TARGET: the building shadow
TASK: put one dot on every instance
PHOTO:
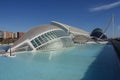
(105, 66)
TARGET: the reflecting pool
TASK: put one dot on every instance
(83, 62)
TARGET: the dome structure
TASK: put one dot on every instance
(98, 33)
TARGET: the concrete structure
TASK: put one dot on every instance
(20, 34)
(71, 30)
(116, 45)
(48, 37)
(1, 34)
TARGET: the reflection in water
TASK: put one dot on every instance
(84, 62)
(51, 55)
(104, 67)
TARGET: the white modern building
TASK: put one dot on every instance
(48, 37)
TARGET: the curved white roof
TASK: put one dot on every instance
(54, 25)
(34, 32)
(71, 29)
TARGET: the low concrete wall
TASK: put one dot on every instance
(116, 45)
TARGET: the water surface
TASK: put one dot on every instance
(84, 62)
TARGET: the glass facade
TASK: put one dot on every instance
(61, 42)
(57, 44)
(24, 47)
(33, 43)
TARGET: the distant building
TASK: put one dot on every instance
(1, 34)
(7, 34)
(15, 35)
(20, 34)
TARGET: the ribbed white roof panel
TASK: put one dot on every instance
(34, 32)
(70, 28)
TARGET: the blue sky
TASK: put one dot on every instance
(22, 15)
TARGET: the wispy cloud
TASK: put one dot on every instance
(105, 7)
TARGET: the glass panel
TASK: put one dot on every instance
(37, 41)
(24, 47)
(33, 43)
(54, 34)
(48, 37)
(48, 34)
(40, 39)
(51, 35)
(43, 38)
